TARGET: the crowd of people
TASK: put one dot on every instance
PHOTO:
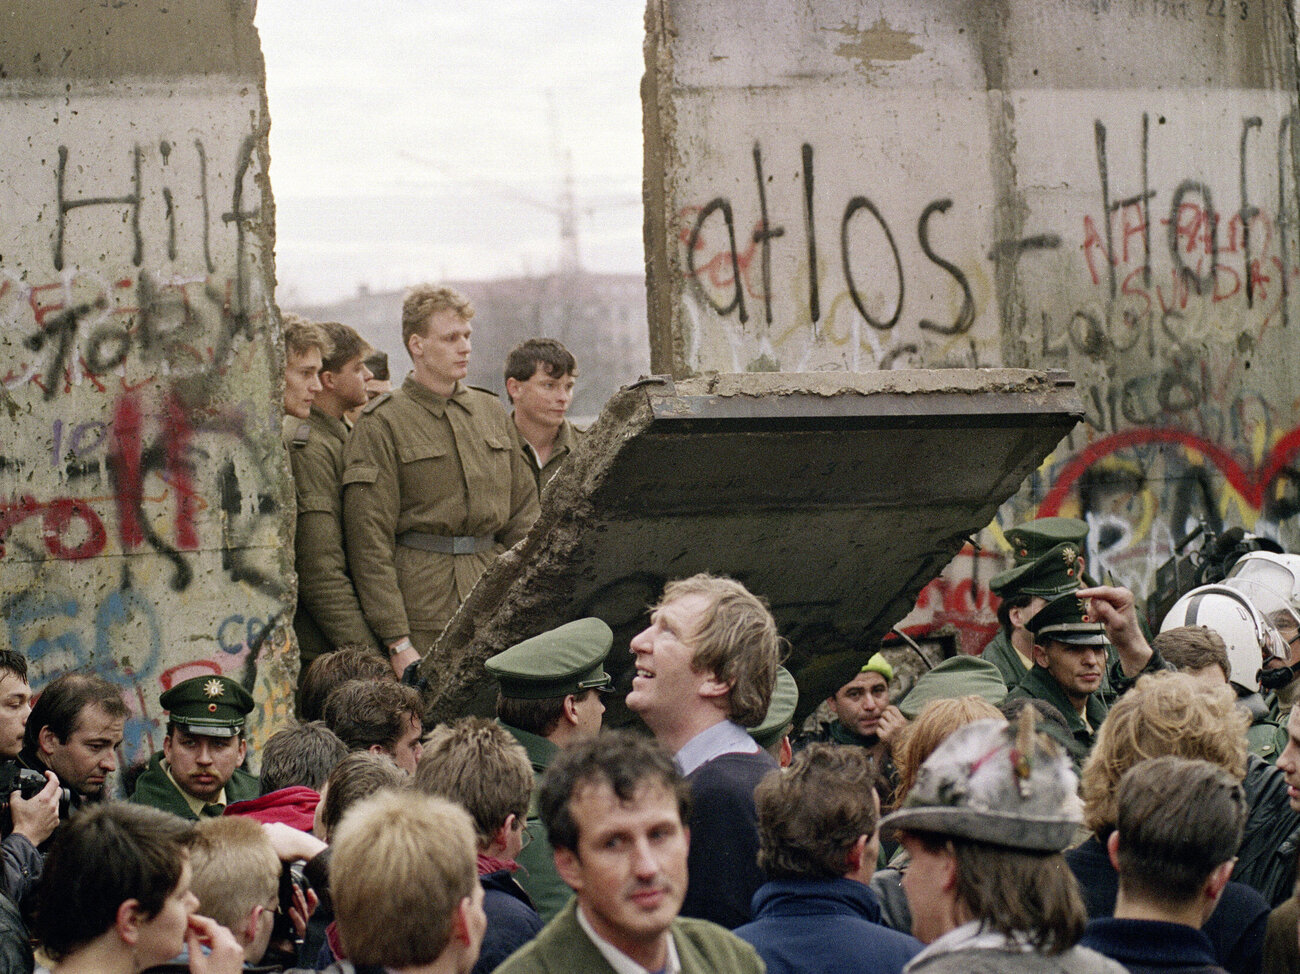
(1085, 796)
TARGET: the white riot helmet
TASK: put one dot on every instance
(1251, 639)
(1272, 584)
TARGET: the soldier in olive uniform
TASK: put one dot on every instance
(329, 614)
(1040, 571)
(197, 772)
(434, 484)
(540, 375)
(550, 698)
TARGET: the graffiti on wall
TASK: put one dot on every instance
(1160, 269)
(141, 477)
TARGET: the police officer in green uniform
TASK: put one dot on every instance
(773, 734)
(197, 774)
(540, 375)
(1040, 571)
(550, 698)
(434, 484)
(329, 615)
(1072, 634)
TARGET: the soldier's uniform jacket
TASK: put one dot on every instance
(417, 462)
(329, 613)
(566, 441)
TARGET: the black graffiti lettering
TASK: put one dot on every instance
(170, 208)
(814, 297)
(765, 233)
(1087, 334)
(1201, 283)
(1103, 172)
(203, 194)
(164, 317)
(234, 535)
(966, 316)
(238, 319)
(66, 206)
(862, 203)
(108, 347)
(720, 204)
(1247, 212)
(894, 354)
(63, 327)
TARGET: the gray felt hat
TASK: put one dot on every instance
(996, 783)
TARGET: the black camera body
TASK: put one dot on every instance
(28, 783)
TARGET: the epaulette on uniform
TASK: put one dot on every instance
(490, 392)
(375, 403)
(302, 434)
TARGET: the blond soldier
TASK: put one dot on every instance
(434, 483)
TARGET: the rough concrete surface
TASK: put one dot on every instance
(1099, 186)
(142, 482)
(834, 496)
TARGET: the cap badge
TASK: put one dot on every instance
(213, 688)
(1069, 554)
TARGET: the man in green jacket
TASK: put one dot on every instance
(197, 774)
(1071, 638)
(328, 616)
(540, 375)
(1047, 561)
(434, 484)
(615, 808)
(550, 698)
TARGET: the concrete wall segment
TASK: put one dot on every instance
(1104, 186)
(143, 487)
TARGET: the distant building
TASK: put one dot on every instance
(601, 318)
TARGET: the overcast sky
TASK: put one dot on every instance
(407, 135)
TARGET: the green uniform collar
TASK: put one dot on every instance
(541, 752)
(433, 402)
(1040, 684)
(323, 421)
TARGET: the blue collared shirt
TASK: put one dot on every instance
(725, 737)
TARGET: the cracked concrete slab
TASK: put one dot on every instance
(835, 496)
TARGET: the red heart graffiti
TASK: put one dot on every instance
(1251, 485)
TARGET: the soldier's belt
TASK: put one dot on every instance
(442, 544)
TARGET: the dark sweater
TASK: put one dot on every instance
(1235, 928)
(797, 920)
(1152, 947)
(722, 867)
(511, 920)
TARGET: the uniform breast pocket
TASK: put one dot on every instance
(498, 458)
(422, 466)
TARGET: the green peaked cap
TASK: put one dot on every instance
(1065, 620)
(780, 712)
(213, 705)
(1057, 571)
(566, 660)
